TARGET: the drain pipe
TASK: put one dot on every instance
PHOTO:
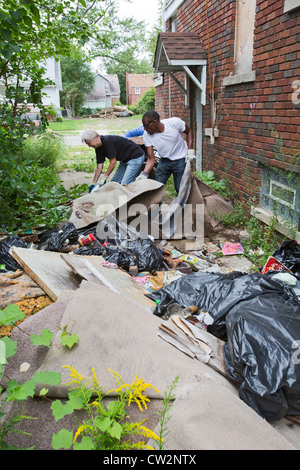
(210, 80)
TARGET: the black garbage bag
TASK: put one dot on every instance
(289, 255)
(217, 293)
(262, 354)
(5, 258)
(126, 246)
(141, 253)
(52, 240)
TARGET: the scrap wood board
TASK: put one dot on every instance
(91, 268)
(47, 269)
(55, 273)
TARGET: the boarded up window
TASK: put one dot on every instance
(244, 36)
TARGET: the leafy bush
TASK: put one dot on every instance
(147, 102)
(135, 109)
(33, 197)
(42, 149)
(220, 186)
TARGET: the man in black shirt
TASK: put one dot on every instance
(117, 149)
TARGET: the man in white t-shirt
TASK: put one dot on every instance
(166, 136)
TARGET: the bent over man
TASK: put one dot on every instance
(117, 149)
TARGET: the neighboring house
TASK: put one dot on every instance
(136, 86)
(53, 72)
(106, 92)
(231, 70)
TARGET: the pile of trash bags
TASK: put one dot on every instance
(258, 318)
(137, 251)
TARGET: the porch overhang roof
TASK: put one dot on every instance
(177, 52)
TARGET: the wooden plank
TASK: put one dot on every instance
(56, 273)
(91, 268)
(47, 269)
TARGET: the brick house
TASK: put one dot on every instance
(136, 86)
(231, 70)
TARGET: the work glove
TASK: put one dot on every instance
(93, 187)
(191, 154)
(142, 176)
(102, 180)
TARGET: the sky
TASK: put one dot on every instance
(146, 10)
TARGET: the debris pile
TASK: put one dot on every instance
(111, 113)
(245, 326)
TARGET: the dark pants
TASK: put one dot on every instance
(166, 168)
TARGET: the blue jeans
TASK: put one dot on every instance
(127, 172)
(166, 168)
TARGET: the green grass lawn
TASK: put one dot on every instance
(109, 126)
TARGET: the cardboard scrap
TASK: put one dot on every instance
(193, 341)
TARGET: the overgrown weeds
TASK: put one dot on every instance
(107, 426)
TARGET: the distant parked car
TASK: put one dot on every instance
(32, 117)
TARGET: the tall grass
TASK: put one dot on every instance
(43, 150)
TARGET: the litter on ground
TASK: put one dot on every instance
(163, 307)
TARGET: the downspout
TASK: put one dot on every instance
(163, 16)
(210, 80)
(164, 30)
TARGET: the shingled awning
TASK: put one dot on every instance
(177, 52)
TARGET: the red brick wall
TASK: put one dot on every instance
(258, 122)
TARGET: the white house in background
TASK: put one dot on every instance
(105, 93)
(53, 72)
(52, 91)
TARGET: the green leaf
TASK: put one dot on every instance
(85, 444)
(8, 347)
(2, 353)
(44, 339)
(20, 392)
(59, 410)
(5, 34)
(68, 340)
(49, 378)
(103, 424)
(28, 21)
(77, 402)
(62, 440)
(116, 430)
(10, 315)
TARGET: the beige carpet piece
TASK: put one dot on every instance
(114, 333)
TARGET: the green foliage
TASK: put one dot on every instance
(220, 186)
(262, 240)
(13, 131)
(147, 102)
(78, 80)
(33, 197)
(20, 392)
(68, 340)
(42, 149)
(236, 218)
(107, 426)
(135, 109)
(165, 413)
